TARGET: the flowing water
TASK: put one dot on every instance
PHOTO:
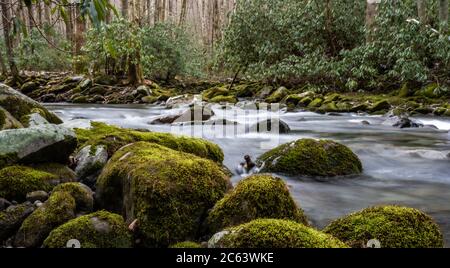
(408, 167)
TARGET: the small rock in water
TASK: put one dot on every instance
(269, 125)
(405, 122)
(37, 196)
(365, 122)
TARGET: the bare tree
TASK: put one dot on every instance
(371, 13)
(443, 15)
(422, 11)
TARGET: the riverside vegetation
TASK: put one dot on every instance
(113, 187)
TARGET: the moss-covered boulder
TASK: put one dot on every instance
(39, 144)
(186, 244)
(167, 191)
(312, 158)
(101, 229)
(380, 106)
(317, 102)
(58, 209)
(273, 233)
(7, 121)
(62, 172)
(12, 218)
(393, 226)
(90, 160)
(17, 181)
(278, 95)
(19, 106)
(113, 138)
(224, 99)
(258, 196)
(216, 91)
(82, 194)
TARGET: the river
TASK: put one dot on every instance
(408, 167)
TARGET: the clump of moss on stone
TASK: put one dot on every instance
(113, 138)
(278, 95)
(275, 233)
(101, 229)
(12, 218)
(186, 244)
(209, 94)
(312, 158)
(63, 172)
(17, 181)
(19, 108)
(81, 193)
(2, 119)
(393, 226)
(225, 99)
(258, 196)
(167, 191)
(58, 209)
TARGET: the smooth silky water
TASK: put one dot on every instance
(408, 167)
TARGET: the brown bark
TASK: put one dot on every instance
(6, 18)
(443, 15)
(422, 11)
(183, 12)
(124, 8)
(79, 38)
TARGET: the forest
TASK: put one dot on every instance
(224, 123)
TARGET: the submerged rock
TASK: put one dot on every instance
(312, 158)
(257, 196)
(101, 229)
(405, 122)
(274, 233)
(393, 226)
(273, 125)
(193, 114)
(167, 191)
(44, 143)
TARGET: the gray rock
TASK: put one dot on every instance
(36, 119)
(269, 124)
(265, 92)
(44, 143)
(90, 161)
(12, 218)
(405, 122)
(214, 241)
(4, 204)
(196, 113)
(144, 90)
(37, 196)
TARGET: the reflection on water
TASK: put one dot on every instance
(401, 166)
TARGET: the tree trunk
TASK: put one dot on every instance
(8, 40)
(79, 38)
(371, 13)
(183, 12)
(443, 15)
(124, 8)
(422, 11)
(135, 75)
(3, 69)
(69, 25)
(30, 17)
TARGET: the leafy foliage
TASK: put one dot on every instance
(325, 43)
(164, 50)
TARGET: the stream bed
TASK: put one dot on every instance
(408, 167)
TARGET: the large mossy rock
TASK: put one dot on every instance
(393, 226)
(58, 209)
(113, 138)
(17, 181)
(62, 172)
(311, 158)
(39, 144)
(257, 196)
(82, 194)
(7, 121)
(168, 192)
(12, 218)
(101, 229)
(20, 106)
(273, 233)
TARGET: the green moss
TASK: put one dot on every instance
(12, 218)
(278, 95)
(404, 91)
(311, 157)
(113, 138)
(19, 108)
(17, 181)
(304, 102)
(58, 209)
(186, 244)
(64, 173)
(227, 99)
(209, 94)
(334, 97)
(258, 196)
(317, 102)
(273, 233)
(167, 191)
(328, 107)
(81, 193)
(380, 106)
(2, 119)
(393, 226)
(293, 99)
(101, 229)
